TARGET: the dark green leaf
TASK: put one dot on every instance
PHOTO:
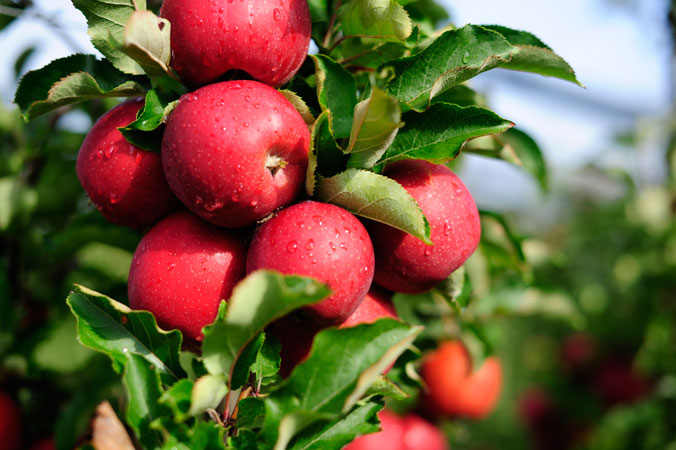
(375, 197)
(251, 413)
(142, 384)
(147, 130)
(326, 158)
(20, 61)
(438, 134)
(337, 93)
(454, 57)
(112, 328)
(457, 289)
(178, 399)
(71, 80)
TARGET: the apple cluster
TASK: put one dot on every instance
(225, 196)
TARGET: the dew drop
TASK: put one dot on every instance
(110, 152)
(138, 158)
(301, 224)
(292, 246)
(465, 57)
(113, 198)
(343, 246)
(318, 219)
(310, 244)
(276, 14)
(170, 267)
(245, 124)
(247, 98)
(254, 202)
(428, 251)
(314, 261)
(447, 228)
(99, 153)
(332, 245)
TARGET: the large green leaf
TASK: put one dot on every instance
(376, 122)
(438, 134)
(455, 56)
(382, 19)
(114, 329)
(71, 80)
(107, 20)
(534, 56)
(375, 197)
(147, 41)
(142, 384)
(260, 298)
(341, 367)
(337, 92)
(326, 158)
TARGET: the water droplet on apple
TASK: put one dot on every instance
(247, 98)
(347, 230)
(254, 202)
(99, 153)
(138, 158)
(273, 70)
(314, 261)
(234, 85)
(310, 244)
(343, 246)
(113, 198)
(428, 251)
(447, 228)
(170, 267)
(276, 14)
(332, 245)
(301, 224)
(245, 124)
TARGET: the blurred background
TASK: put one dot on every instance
(576, 283)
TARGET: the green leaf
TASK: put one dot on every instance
(376, 122)
(383, 19)
(267, 361)
(107, 20)
(341, 367)
(147, 41)
(71, 80)
(325, 158)
(147, 130)
(300, 106)
(375, 197)
(178, 398)
(207, 436)
(534, 56)
(58, 351)
(385, 387)
(260, 298)
(142, 384)
(207, 393)
(454, 57)
(114, 329)
(336, 434)
(337, 92)
(318, 10)
(251, 413)
(456, 289)
(438, 134)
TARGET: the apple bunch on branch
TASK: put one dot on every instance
(276, 190)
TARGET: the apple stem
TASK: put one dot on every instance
(274, 164)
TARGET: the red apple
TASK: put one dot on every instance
(10, 423)
(46, 443)
(296, 333)
(420, 434)
(454, 388)
(617, 382)
(405, 263)
(377, 304)
(267, 39)
(391, 436)
(322, 241)
(234, 152)
(125, 182)
(181, 271)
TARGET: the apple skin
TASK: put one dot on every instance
(125, 183)
(421, 434)
(268, 40)
(391, 436)
(181, 271)
(377, 304)
(453, 388)
(322, 241)
(405, 263)
(218, 144)
(10, 423)
(46, 443)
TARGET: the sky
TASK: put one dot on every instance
(620, 50)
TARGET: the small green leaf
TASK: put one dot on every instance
(382, 19)
(142, 384)
(147, 130)
(438, 134)
(300, 106)
(456, 289)
(376, 122)
(337, 92)
(71, 80)
(534, 56)
(326, 158)
(375, 197)
(336, 434)
(178, 398)
(251, 413)
(106, 20)
(114, 329)
(147, 41)
(454, 57)
(260, 298)
(207, 393)
(385, 387)
(267, 361)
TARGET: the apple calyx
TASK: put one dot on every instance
(275, 163)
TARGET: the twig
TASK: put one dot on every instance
(332, 22)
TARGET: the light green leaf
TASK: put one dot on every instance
(326, 158)
(438, 134)
(207, 393)
(337, 92)
(300, 106)
(147, 41)
(376, 122)
(375, 197)
(142, 384)
(71, 80)
(260, 298)
(454, 57)
(383, 19)
(107, 20)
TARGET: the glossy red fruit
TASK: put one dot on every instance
(125, 182)
(234, 152)
(377, 304)
(267, 39)
(391, 436)
(296, 333)
(455, 388)
(403, 262)
(421, 434)
(181, 271)
(322, 241)
(10, 423)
